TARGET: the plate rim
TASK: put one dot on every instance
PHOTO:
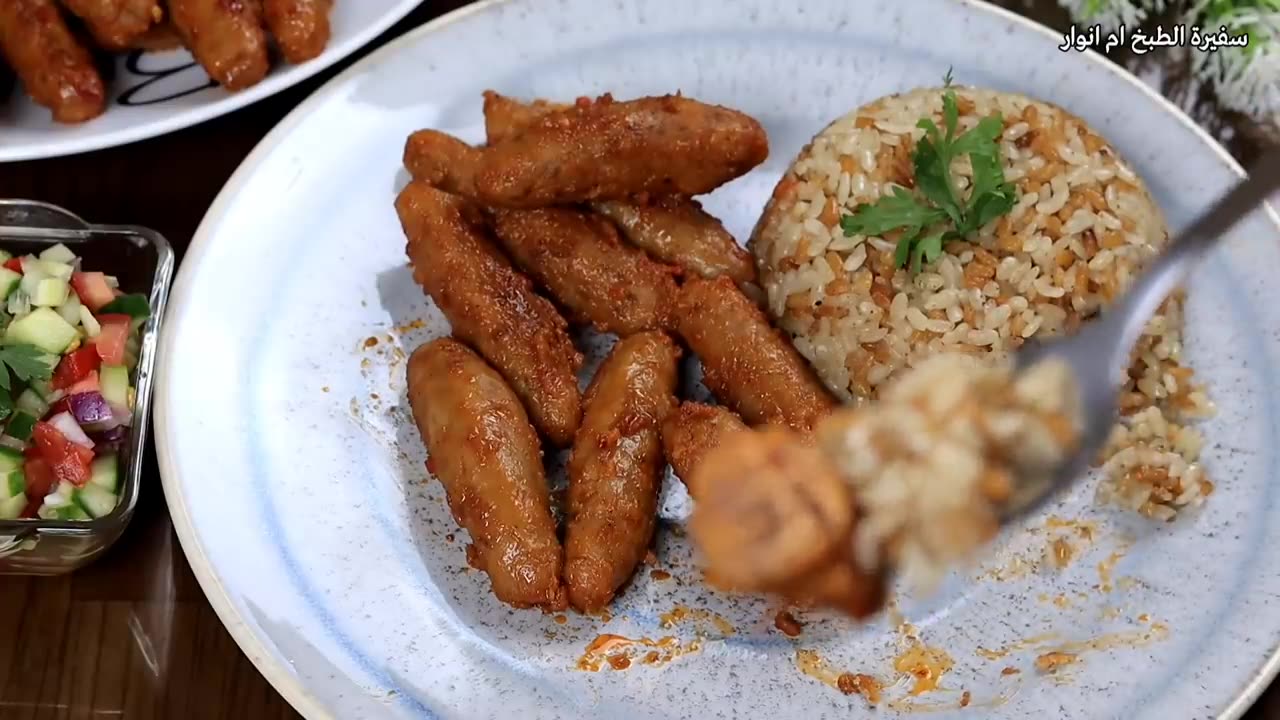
(269, 86)
(251, 644)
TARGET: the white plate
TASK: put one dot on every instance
(298, 488)
(158, 92)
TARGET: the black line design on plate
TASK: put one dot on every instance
(133, 63)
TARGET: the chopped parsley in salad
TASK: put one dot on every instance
(69, 343)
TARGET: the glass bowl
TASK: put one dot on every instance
(143, 262)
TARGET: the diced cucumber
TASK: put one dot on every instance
(21, 425)
(10, 459)
(91, 325)
(5, 256)
(9, 281)
(58, 253)
(72, 511)
(56, 269)
(70, 309)
(42, 388)
(51, 292)
(60, 496)
(31, 281)
(105, 472)
(95, 500)
(135, 306)
(115, 384)
(15, 483)
(12, 508)
(43, 328)
(31, 402)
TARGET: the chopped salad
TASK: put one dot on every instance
(69, 342)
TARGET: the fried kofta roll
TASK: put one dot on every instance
(505, 117)
(772, 515)
(577, 257)
(55, 68)
(747, 364)
(677, 230)
(226, 38)
(117, 24)
(583, 263)
(673, 229)
(442, 161)
(616, 467)
(300, 27)
(609, 150)
(693, 430)
(160, 38)
(492, 307)
(486, 454)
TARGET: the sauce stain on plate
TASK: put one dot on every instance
(681, 613)
(1025, 644)
(620, 652)
(925, 664)
(811, 664)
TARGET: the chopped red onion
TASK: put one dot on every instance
(110, 439)
(70, 429)
(90, 408)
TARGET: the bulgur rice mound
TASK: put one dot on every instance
(1083, 225)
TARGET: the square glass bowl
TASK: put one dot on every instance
(143, 262)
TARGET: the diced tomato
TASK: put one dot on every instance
(69, 461)
(74, 367)
(111, 338)
(40, 480)
(14, 264)
(88, 383)
(92, 288)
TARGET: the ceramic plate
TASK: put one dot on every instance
(154, 93)
(297, 482)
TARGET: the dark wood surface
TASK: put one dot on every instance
(86, 645)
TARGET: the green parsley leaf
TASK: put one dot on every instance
(28, 362)
(899, 210)
(950, 117)
(902, 252)
(134, 305)
(927, 250)
(933, 174)
(981, 139)
(922, 216)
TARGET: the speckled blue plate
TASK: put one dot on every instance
(297, 483)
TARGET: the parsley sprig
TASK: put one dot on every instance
(937, 213)
(27, 363)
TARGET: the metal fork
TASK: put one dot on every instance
(1099, 353)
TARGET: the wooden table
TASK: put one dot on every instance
(81, 646)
